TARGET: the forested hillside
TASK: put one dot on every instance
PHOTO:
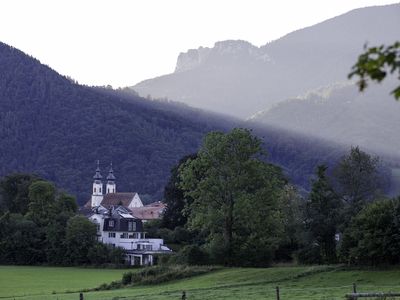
(56, 128)
(51, 126)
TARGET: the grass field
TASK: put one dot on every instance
(236, 283)
(17, 281)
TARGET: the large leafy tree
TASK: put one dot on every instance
(375, 64)
(234, 194)
(323, 216)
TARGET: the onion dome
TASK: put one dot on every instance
(97, 176)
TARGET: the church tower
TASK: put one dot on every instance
(111, 187)
(97, 193)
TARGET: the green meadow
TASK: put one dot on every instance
(16, 281)
(230, 283)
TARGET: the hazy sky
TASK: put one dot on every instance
(121, 42)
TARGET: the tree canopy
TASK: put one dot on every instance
(235, 197)
(376, 63)
(39, 225)
(358, 178)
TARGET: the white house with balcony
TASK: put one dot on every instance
(116, 224)
(117, 227)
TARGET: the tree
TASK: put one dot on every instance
(80, 238)
(174, 198)
(292, 209)
(20, 241)
(373, 236)
(41, 202)
(375, 63)
(322, 216)
(357, 178)
(14, 190)
(65, 207)
(234, 196)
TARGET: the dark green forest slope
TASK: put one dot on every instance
(51, 126)
(56, 128)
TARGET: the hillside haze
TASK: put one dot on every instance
(237, 78)
(342, 114)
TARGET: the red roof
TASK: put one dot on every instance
(151, 211)
(115, 199)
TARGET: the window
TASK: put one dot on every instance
(144, 247)
(99, 190)
(111, 223)
(131, 226)
(124, 235)
(94, 190)
(111, 234)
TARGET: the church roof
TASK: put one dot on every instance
(115, 199)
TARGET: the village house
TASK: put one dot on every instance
(119, 219)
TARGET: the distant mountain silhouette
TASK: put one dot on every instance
(237, 78)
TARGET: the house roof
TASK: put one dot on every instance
(149, 212)
(116, 199)
(157, 204)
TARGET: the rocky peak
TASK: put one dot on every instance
(191, 59)
(229, 49)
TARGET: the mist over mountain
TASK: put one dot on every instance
(342, 114)
(237, 78)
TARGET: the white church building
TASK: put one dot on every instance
(116, 223)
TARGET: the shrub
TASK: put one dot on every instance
(309, 254)
(191, 255)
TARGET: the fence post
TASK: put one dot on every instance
(277, 293)
(80, 296)
(354, 291)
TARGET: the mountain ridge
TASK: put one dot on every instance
(299, 61)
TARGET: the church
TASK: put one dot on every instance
(119, 220)
(111, 197)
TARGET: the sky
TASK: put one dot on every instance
(122, 42)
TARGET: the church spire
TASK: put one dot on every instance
(97, 195)
(111, 187)
(97, 176)
(111, 176)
